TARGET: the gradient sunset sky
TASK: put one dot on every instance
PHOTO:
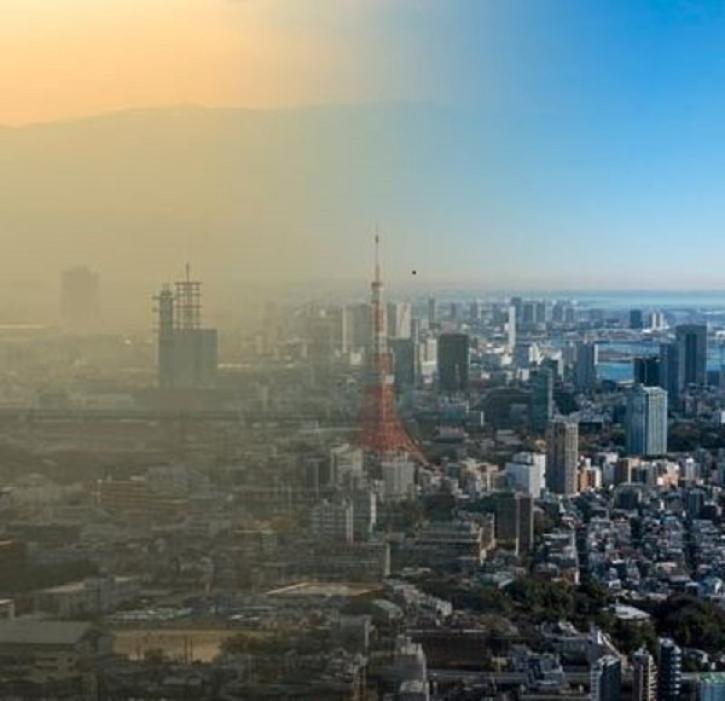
(576, 143)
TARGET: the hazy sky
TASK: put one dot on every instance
(75, 57)
(555, 143)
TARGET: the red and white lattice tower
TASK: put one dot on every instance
(382, 431)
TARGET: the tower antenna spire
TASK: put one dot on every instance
(382, 431)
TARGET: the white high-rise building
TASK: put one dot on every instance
(400, 316)
(511, 328)
(333, 521)
(526, 473)
(398, 477)
(346, 465)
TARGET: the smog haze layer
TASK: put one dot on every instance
(498, 145)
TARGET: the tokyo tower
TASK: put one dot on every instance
(382, 431)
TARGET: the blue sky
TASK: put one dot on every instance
(589, 139)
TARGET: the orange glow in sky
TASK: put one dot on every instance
(66, 58)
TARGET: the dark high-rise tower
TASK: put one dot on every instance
(636, 319)
(382, 431)
(453, 362)
(647, 371)
(606, 679)
(691, 341)
(562, 456)
(671, 378)
(587, 357)
(542, 398)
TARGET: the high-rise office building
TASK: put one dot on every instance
(526, 523)
(671, 377)
(474, 311)
(541, 312)
(432, 315)
(364, 513)
(669, 670)
(636, 319)
(511, 328)
(606, 679)
(79, 299)
(400, 315)
(644, 676)
(691, 340)
(404, 365)
(358, 326)
(562, 456)
(528, 313)
(587, 357)
(514, 521)
(656, 321)
(542, 398)
(453, 362)
(518, 304)
(646, 421)
(327, 332)
(647, 371)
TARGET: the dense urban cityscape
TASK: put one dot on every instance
(362, 350)
(424, 499)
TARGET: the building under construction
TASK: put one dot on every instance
(187, 352)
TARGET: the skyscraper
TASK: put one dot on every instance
(511, 328)
(357, 323)
(647, 371)
(517, 303)
(514, 521)
(606, 679)
(646, 421)
(669, 670)
(453, 362)
(644, 676)
(542, 398)
(432, 317)
(562, 455)
(399, 319)
(671, 378)
(404, 364)
(636, 319)
(79, 299)
(691, 340)
(587, 357)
